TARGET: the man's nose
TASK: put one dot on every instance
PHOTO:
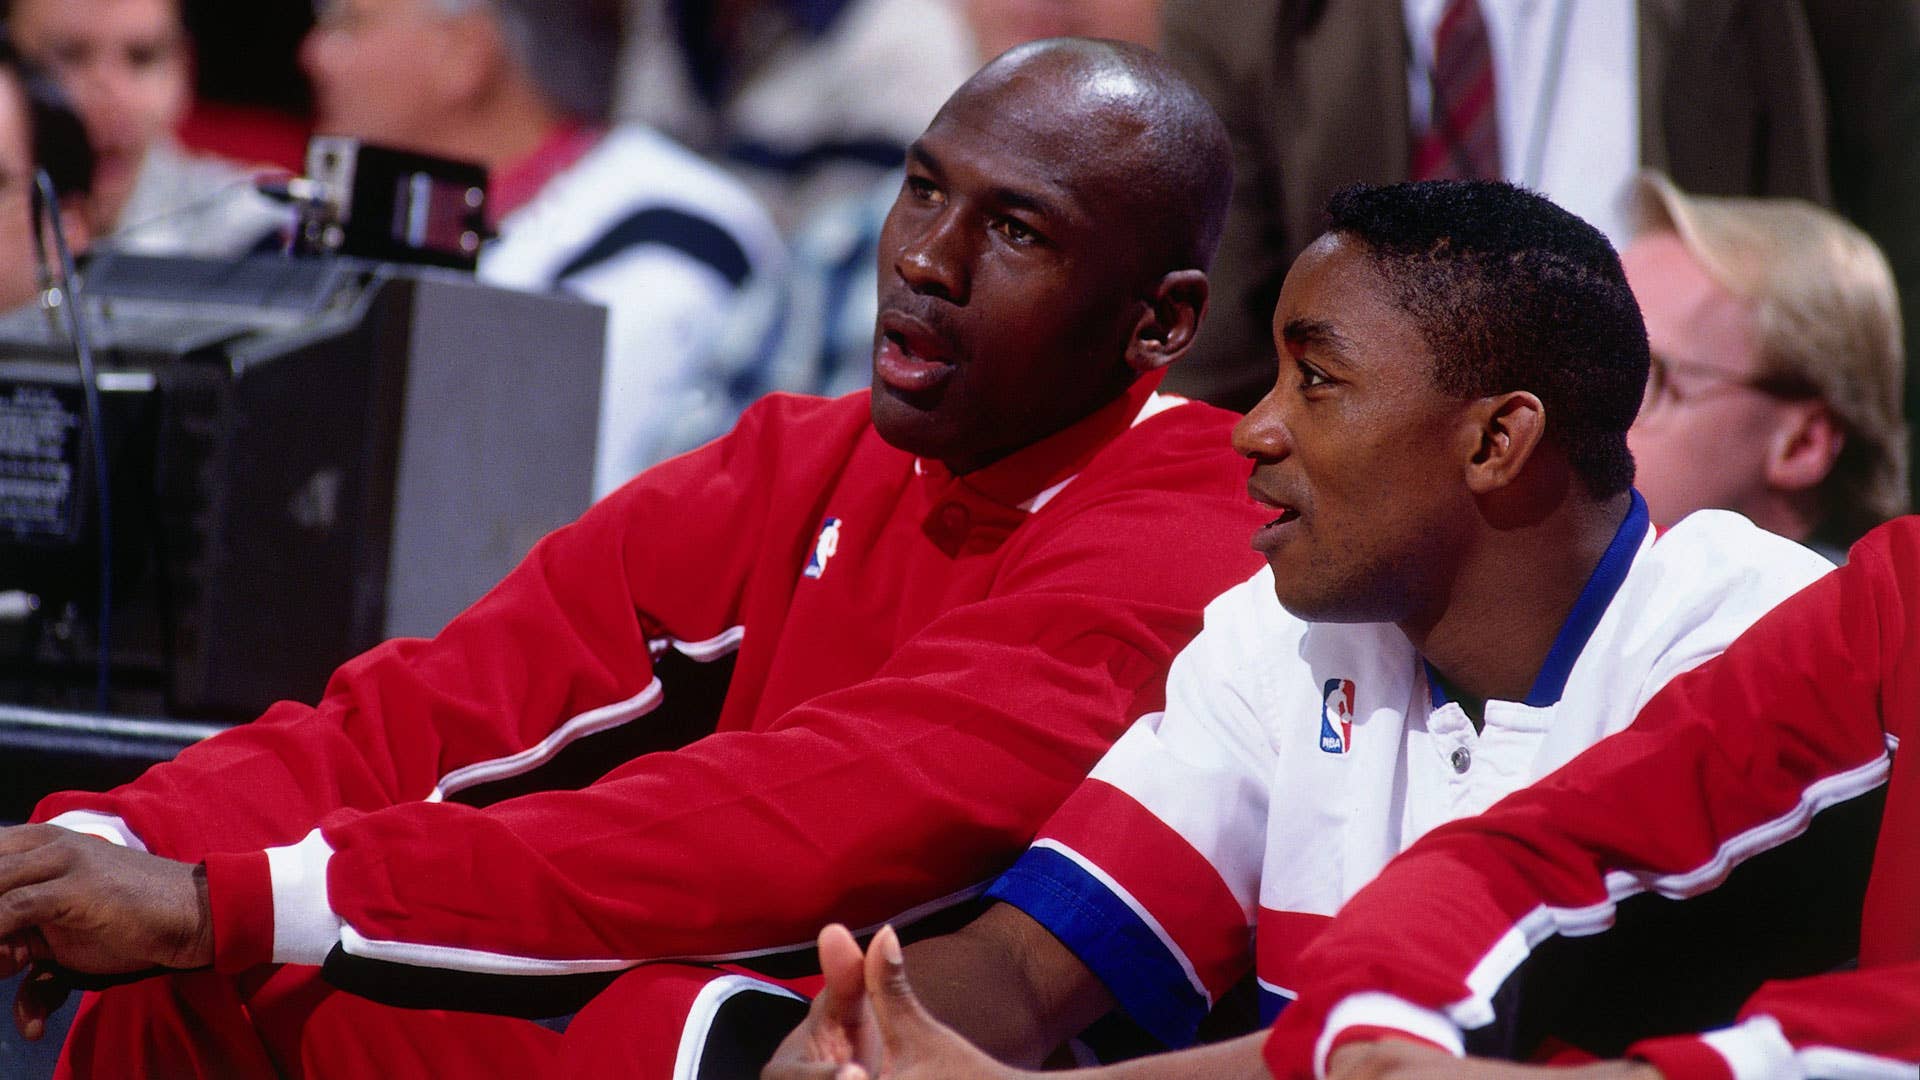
(1262, 433)
(934, 260)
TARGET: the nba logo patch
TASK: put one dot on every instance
(823, 548)
(1336, 716)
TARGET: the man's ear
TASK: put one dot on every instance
(1165, 329)
(1508, 428)
(1804, 448)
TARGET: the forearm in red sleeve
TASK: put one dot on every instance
(1855, 1023)
(908, 788)
(561, 643)
(911, 786)
(1727, 760)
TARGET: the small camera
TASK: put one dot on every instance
(390, 205)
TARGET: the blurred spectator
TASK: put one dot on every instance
(810, 100)
(38, 129)
(810, 330)
(621, 216)
(1775, 388)
(126, 64)
(1729, 98)
(999, 25)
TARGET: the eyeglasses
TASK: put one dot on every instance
(1675, 383)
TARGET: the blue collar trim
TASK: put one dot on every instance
(1594, 599)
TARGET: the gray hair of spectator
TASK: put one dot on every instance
(1825, 315)
(569, 48)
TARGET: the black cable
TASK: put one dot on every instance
(65, 295)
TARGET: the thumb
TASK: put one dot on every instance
(895, 1008)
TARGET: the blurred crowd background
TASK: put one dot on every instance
(715, 172)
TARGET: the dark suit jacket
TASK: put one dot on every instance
(1732, 101)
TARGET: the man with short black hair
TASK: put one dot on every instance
(838, 664)
(1463, 592)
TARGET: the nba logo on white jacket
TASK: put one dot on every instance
(1336, 716)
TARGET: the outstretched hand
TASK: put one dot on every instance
(92, 907)
(866, 1024)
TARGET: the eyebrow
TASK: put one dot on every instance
(1303, 332)
(1007, 197)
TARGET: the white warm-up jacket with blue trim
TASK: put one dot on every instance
(1729, 889)
(1294, 760)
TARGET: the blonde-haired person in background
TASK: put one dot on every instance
(1777, 365)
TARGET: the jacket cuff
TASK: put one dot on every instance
(1370, 1016)
(240, 892)
(1753, 1050)
(305, 929)
(107, 827)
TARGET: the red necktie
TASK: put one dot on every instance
(1462, 141)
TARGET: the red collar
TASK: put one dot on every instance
(979, 509)
(514, 186)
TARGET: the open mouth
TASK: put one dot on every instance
(1287, 513)
(911, 359)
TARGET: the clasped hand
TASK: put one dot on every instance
(866, 1023)
(74, 903)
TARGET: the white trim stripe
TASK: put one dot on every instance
(482, 962)
(476, 961)
(1494, 968)
(1034, 504)
(706, 1005)
(1156, 404)
(304, 924)
(1277, 991)
(1834, 1063)
(108, 827)
(587, 723)
(722, 644)
(1822, 793)
(1754, 1050)
(1139, 911)
(905, 918)
(1387, 1011)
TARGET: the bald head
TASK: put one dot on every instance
(1115, 121)
(1047, 247)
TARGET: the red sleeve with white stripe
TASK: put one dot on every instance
(559, 641)
(1857, 1024)
(915, 784)
(1725, 763)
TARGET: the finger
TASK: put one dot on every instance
(18, 838)
(895, 1008)
(23, 909)
(31, 866)
(15, 954)
(41, 994)
(812, 1070)
(841, 963)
